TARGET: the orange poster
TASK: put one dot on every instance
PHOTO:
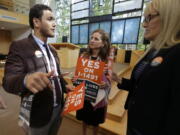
(91, 70)
(75, 99)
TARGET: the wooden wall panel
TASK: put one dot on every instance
(135, 56)
(5, 41)
(120, 56)
(13, 17)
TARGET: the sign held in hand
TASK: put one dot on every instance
(75, 99)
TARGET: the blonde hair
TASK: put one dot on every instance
(169, 12)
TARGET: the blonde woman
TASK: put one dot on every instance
(154, 91)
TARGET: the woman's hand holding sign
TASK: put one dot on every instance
(74, 78)
(103, 85)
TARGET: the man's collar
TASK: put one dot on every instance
(38, 40)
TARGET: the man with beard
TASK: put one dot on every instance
(32, 71)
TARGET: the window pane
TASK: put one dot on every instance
(131, 31)
(129, 5)
(80, 14)
(75, 1)
(120, 0)
(80, 6)
(105, 26)
(93, 26)
(84, 34)
(102, 7)
(117, 31)
(75, 34)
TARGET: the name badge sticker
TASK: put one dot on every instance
(156, 61)
(38, 54)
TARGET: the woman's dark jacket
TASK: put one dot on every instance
(153, 102)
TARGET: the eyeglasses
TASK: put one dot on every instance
(148, 18)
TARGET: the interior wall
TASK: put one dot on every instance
(20, 33)
(5, 41)
(7, 36)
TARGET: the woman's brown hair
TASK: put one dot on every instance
(104, 51)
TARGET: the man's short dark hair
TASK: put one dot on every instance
(36, 12)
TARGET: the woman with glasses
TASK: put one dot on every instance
(153, 102)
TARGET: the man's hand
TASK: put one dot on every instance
(2, 103)
(74, 78)
(36, 82)
(65, 74)
(69, 87)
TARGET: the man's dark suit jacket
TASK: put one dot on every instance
(22, 61)
(154, 98)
